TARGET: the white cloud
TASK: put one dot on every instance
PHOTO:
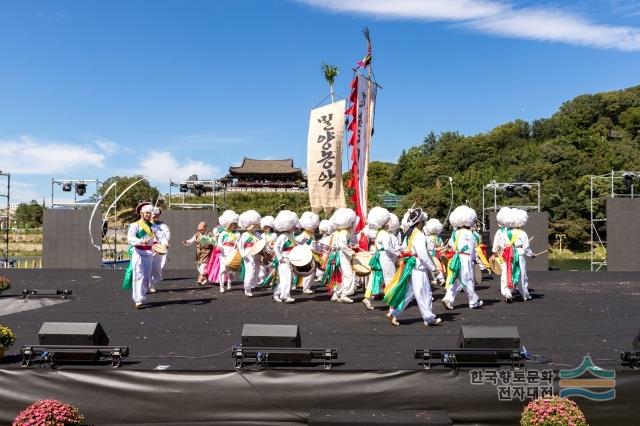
(107, 146)
(161, 167)
(31, 156)
(499, 18)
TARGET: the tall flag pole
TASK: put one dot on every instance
(359, 116)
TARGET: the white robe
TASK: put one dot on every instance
(142, 260)
(341, 243)
(163, 235)
(251, 264)
(464, 238)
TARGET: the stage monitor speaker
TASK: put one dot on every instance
(270, 335)
(498, 336)
(379, 417)
(73, 333)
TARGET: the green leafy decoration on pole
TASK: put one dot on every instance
(330, 72)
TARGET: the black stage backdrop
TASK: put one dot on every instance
(280, 396)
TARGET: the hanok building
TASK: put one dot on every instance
(265, 175)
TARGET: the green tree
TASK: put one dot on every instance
(28, 215)
(142, 191)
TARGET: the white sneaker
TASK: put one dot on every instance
(393, 320)
(345, 299)
(307, 291)
(335, 297)
(276, 298)
(527, 297)
(222, 288)
(367, 303)
(138, 305)
(152, 290)
(229, 286)
(477, 305)
(289, 300)
(434, 322)
(248, 294)
(447, 304)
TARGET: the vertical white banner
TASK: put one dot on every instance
(324, 157)
(366, 108)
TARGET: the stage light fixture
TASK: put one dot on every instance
(198, 189)
(184, 187)
(66, 187)
(81, 188)
(628, 179)
(510, 190)
(525, 189)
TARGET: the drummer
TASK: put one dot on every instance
(522, 250)
(432, 229)
(323, 244)
(140, 236)
(227, 242)
(382, 267)
(393, 226)
(309, 223)
(266, 224)
(203, 250)
(460, 267)
(249, 221)
(501, 242)
(163, 235)
(284, 223)
(342, 282)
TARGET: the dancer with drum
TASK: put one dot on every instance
(339, 273)
(502, 248)
(323, 245)
(249, 220)
(163, 235)
(230, 257)
(284, 223)
(460, 267)
(309, 222)
(413, 280)
(140, 237)
(266, 224)
(204, 247)
(522, 250)
(381, 262)
(433, 228)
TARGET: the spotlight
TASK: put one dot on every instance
(525, 189)
(184, 187)
(81, 188)
(628, 179)
(66, 187)
(510, 190)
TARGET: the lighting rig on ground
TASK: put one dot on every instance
(79, 189)
(196, 187)
(496, 195)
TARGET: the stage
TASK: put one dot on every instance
(187, 331)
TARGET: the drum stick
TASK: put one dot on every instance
(531, 239)
(542, 252)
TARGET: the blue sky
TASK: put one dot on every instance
(91, 89)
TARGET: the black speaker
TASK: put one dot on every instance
(73, 333)
(489, 336)
(270, 335)
(379, 417)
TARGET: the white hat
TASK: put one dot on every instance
(343, 218)
(285, 221)
(309, 221)
(249, 218)
(147, 209)
(463, 216)
(520, 218)
(377, 217)
(228, 217)
(325, 227)
(502, 216)
(157, 211)
(434, 227)
(266, 221)
(394, 222)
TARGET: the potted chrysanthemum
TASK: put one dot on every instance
(7, 338)
(48, 412)
(5, 284)
(553, 411)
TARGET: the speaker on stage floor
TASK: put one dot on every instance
(496, 336)
(73, 333)
(270, 335)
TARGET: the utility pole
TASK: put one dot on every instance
(559, 237)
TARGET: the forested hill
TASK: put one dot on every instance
(591, 134)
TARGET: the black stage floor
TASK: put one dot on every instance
(187, 327)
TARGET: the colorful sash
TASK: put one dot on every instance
(511, 257)
(144, 229)
(454, 265)
(396, 289)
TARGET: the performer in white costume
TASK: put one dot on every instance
(309, 222)
(266, 224)
(163, 235)
(141, 237)
(249, 220)
(228, 244)
(523, 250)
(284, 223)
(343, 220)
(460, 267)
(432, 229)
(382, 265)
